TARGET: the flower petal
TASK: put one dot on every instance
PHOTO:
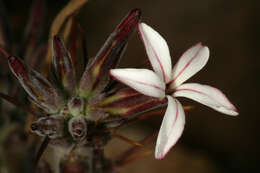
(171, 128)
(208, 96)
(157, 51)
(192, 61)
(143, 80)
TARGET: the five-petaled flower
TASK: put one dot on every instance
(167, 82)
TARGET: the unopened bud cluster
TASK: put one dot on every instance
(82, 111)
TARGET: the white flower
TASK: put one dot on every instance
(167, 82)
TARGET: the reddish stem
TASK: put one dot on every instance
(4, 52)
(121, 160)
(126, 140)
(19, 104)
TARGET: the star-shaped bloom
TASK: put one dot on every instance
(167, 82)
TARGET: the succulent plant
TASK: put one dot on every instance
(77, 111)
(82, 112)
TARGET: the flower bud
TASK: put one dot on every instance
(128, 102)
(63, 66)
(76, 106)
(78, 128)
(36, 86)
(96, 76)
(52, 126)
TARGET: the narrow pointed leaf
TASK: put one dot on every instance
(157, 51)
(192, 61)
(84, 46)
(38, 88)
(77, 43)
(33, 30)
(142, 80)
(96, 76)
(171, 128)
(208, 96)
(15, 102)
(77, 46)
(129, 102)
(35, 59)
(63, 66)
(73, 40)
(4, 28)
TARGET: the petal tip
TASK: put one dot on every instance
(142, 80)
(234, 111)
(159, 156)
(112, 72)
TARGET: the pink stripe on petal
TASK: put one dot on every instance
(150, 48)
(192, 61)
(157, 51)
(171, 128)
(208, 96)
(142, 80)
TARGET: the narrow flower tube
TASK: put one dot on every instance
(128, 102)
(38, 88)
(96, 75)
(63, 66)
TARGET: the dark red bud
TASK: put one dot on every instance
(17, 67)
(128, 23)
(96, 75)
(39, 88)
(63, 66)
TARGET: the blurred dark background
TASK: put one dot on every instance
(212, 142)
